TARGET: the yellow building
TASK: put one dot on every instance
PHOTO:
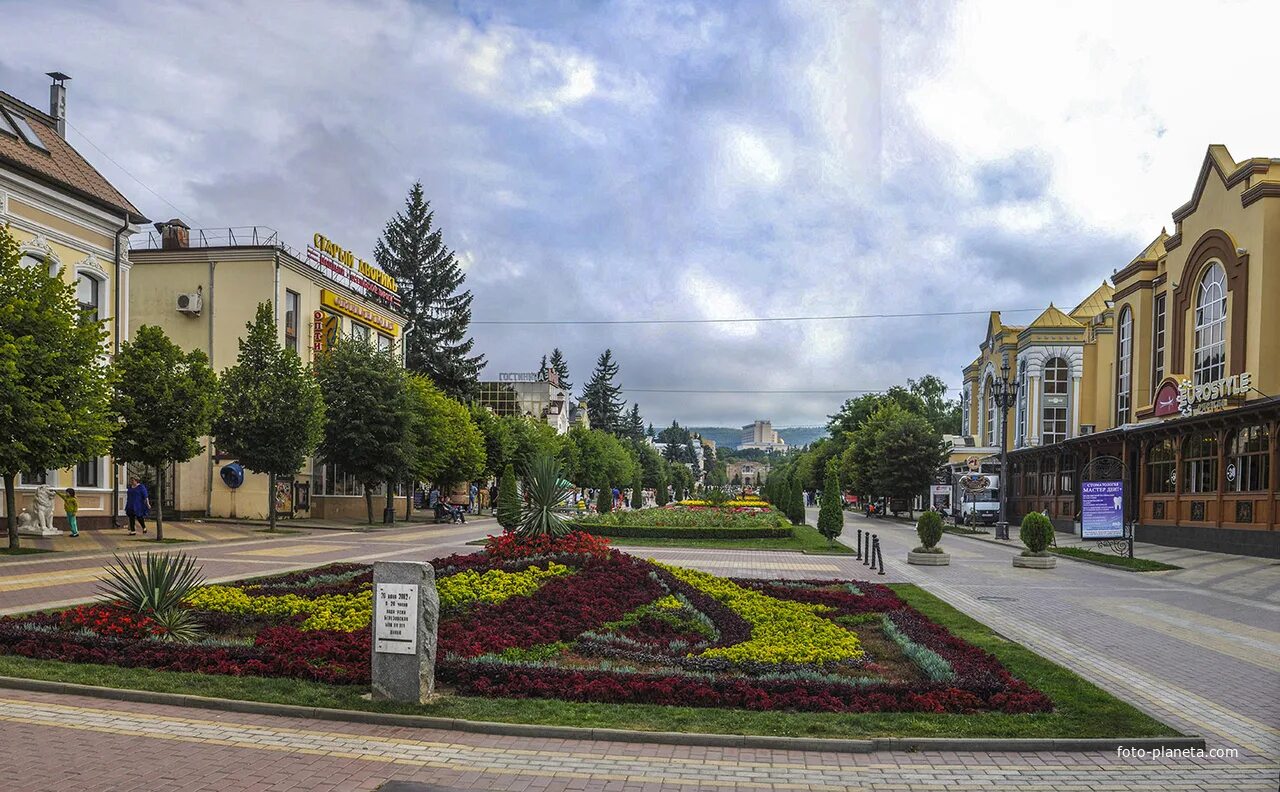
(68, 218)
(1184, 389)
(203, 287)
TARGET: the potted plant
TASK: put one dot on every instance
(929, 529)
(1035, 534)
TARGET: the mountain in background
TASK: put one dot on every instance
(730, 437)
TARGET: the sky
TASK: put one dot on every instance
(682, 160)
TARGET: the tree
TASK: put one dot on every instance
(530, 437)
(943, 413)
(444, 444)
(660, 492)
(795, 501)
(637, 491)
(508, 500)
(895, 453)
(367, 415)
(633, 424)
(543, 371)
(53, 381)
(604, 500)
(272, 413)
(164, 401)
(831, 512)
(561, 367)
(675, 433)
(602, 395)
(499, 442)
(438, 309)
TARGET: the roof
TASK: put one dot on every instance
(1095, 303)
(61, 166)
(1054, 318)
(1154, 251)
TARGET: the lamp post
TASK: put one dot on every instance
(1004, 393)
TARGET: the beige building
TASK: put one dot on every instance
(762, 436)
(203, 287)
(69, 219)
(747, 473)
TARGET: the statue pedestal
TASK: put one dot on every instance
(31, 530)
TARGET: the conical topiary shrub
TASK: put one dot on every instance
(508, 500)
(929, 529)
(1035, 534)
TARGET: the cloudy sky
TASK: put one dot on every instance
(685, 160)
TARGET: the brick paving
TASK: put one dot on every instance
(1195, 648)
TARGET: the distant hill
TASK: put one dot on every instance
(730, 437)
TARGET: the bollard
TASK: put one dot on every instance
(859, 553)
(880, 556)
(866, 552)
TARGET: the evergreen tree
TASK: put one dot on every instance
(649, 432)
(795, 511)
(163, 400)
(637, 490)
(604, 500)
(633, 428)
(660, 491)
(508, 499)
(561, 367)
(53, 389)
(831, 513)
(543, 371)
(602, 396)
(272, 414)
(430, 281)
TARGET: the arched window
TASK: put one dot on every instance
(964, 411)
(1200, 463)
(1209, 362)
(1248, 457)
(1054, 409)
(1162, 459)
(89, 295)
(989, 398)
(1124, 365)
(37, 261)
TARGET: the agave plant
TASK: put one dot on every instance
(544, 492)
(152, 583)
(180, 624)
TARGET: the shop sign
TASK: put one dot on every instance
(940, 497)
(343, 267)
(324, 331)
(975, 482)
(973, 463)
(1195, 399)
(349, 307)
(1166, 401)
(1102, 510)
(518, 376)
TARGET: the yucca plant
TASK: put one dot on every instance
(180, 624)
(544, 492)
(153, 583)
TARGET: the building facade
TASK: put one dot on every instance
(747, 473)
(762, 436)
(68, 219)
(1184, 386)
(526, 395)
(202, 287)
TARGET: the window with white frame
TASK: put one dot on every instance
(1209, 361)
(37, 261)
(291, 320)
(89, 295)
(89, 473)
(361, 332)
(1054, 401)
(989, 397)
(1124, 365)
(1157, 344)
(1021, 425)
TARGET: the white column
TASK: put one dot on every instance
(1074, 429)
(1033, 409)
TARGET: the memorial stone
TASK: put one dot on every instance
(406, 612)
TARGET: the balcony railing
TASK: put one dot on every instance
(233, 236)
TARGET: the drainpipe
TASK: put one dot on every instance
(208, 489)
(115, 352)
(275, 295)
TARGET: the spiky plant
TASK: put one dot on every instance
(180, 624)
(151, 583)
(545, 491)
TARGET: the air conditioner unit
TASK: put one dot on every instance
(189, 303)
(1087, 429)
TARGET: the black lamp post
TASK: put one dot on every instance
(1004, 393)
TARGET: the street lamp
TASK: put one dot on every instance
(1004, 394)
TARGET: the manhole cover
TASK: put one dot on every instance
(998, 599)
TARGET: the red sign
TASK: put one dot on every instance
(1166, 401)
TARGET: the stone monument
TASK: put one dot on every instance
(41, 516)
(406, 612)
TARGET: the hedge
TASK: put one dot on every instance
(680, 532)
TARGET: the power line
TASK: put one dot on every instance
(746, 320)
(145, 186)
(626, 390)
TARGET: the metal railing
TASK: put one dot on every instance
(231, 236)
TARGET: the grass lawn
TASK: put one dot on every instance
(24, 550)
(806, 539)
(1082, 710)
(1133, 564)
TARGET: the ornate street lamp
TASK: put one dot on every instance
(1004, 393)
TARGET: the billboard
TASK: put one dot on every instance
(1101, 509)
(940, 497)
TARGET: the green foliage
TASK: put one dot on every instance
(894, 453)
(151, 583)
(660, 492)
(633, 424)
(272, 414)
(637, 491)
(604, 500)
(444, 443)
(795, 502)
(545, 493)
(594, 458)
(715, 497)
(53, 381)
(831, 508)
(929, 529)
(683, 531)
(499, 442)
(602, 396)
(530, 439)
(690, 518)
(164, 401)
(430, 281)
(508, 500)
(180, 624)
(1036, 532)
(561, 367)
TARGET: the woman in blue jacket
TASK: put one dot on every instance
(137, 504)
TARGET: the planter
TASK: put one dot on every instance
(928, 559)
(1035, 562)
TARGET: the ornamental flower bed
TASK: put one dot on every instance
(571, 619)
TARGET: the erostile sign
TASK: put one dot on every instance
(395, 618)
(1101, 509)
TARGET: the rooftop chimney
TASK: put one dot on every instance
(58, 101)
(174, 234)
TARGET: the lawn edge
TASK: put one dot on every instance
(826, 744)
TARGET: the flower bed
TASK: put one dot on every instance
(570, 619)
(749, 520)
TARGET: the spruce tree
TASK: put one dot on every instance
(830, 514)
(604, 500)
(637, 491)
(508, 499)
(634, 424)
(430, 281)
(543, 371)
(604, 407)
(561, 367)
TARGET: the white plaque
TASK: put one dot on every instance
(395, 618)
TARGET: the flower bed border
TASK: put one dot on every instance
(682, 532)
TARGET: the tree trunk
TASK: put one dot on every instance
(390, 510)
(271, 502)
(408, 501)
(368, 502)
(11, 510)
(159, 504)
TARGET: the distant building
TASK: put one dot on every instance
(747, 473)
(761, 435)
(525, 395)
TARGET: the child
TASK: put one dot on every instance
(71, 506)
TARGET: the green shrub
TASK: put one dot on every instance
(831, 511)
(929, 529)
(637, 492)
(546, 492)
(508, 500)
(1036, 532)
(684, 531)
(690, 518)
(151, 583)
(604, 500)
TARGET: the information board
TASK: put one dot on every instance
(1101, 509)
(395, 618)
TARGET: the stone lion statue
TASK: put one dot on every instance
(43, 508)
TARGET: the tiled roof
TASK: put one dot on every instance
(61, 166)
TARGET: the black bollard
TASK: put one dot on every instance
(859, 553)
(880, 556)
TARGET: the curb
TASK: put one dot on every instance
(833, 745)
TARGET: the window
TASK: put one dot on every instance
(1200, 463)
(1067, 474)
(1249, 452)
(1054, 400)
(1157, 345)
(384, 342)
(1021, 430)
(37, 261)
(990, 399)
(1124, 365)
(28, 134)
(360, 332)
(1209, 362)
(6, 126)
(291, 319)
(89, 295)
(1161, 463)
(964, 411)
(35, 477)
(1048, 475)
(88, 474)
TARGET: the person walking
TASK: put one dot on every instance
(493, 497)
(472, 494)
(137, 505)
(71, 506)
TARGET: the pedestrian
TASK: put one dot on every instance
(472, 494)
(71, 506)
(433, 499)
(137, 505)
(493, 496)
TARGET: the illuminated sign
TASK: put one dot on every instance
(324, 331)
(343, 267)
(1166, 400)
(518, 376)
(352, 308)
(344, 256)
(1194, 399)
